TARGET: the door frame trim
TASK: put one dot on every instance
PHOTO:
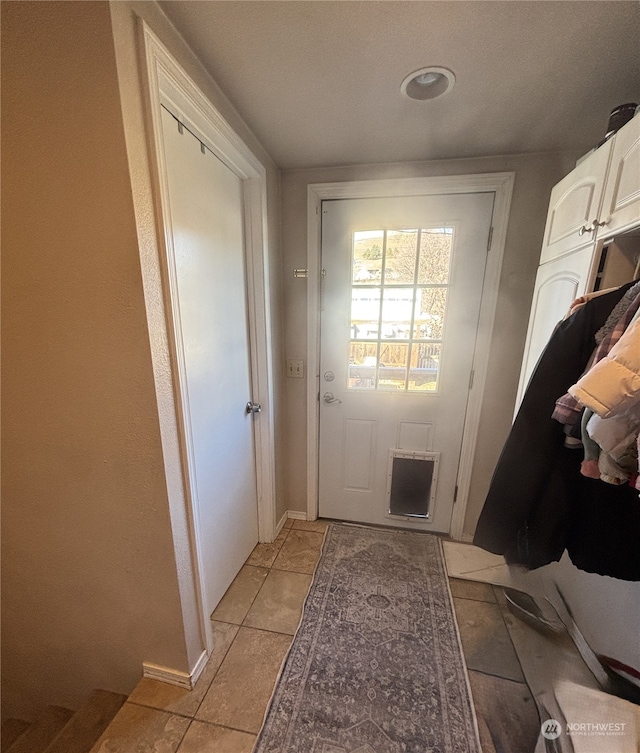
(499, 183)
(166, 81)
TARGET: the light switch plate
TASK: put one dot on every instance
(295, 368)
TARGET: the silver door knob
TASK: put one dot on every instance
(329, 398)
(252, 408)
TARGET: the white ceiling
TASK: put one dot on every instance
(318, 81)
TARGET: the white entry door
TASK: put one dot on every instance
(210, 314)
(401, 292)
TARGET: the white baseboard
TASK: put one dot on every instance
(289, 514)
(281, 522)
(198, 669)
(175, 676)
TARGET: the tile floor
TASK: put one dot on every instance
(564, 684)
(507, 715)
(254, 626)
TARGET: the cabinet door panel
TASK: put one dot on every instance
(575, 202)
(558, 284)
(621, 205)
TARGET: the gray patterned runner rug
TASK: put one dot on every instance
(376, 664)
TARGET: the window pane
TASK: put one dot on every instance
(425, 367)
(392, 368)
(365, 313)
(367, 257)
(399, 289)
(402, 252)
(397, 306)
(363, 359)
(435, 255)
(430, 310)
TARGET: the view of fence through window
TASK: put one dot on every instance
(399, 286)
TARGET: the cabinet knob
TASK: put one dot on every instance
(591, 228)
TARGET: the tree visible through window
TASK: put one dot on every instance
(399, 286)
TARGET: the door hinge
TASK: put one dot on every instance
(473, 373)
(455, 495)
(490, 239)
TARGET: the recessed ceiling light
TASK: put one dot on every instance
(428, 83)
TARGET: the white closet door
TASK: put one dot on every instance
(210, 314)
(558, 284)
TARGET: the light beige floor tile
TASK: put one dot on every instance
(288, 523)
(508, 711)
(278, 606)
(486, 741)
(240, 595)
(469, 589)
(499, 575)
(209, 738)
(300, 552)
(319, 526)
(264, 554)
(472, 563)
(547, 658)
(464, 558)
(485, 640)
(284, 532)
(143, 730)
(241, 690)
(161, 695)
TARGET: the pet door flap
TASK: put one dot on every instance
(411, 483)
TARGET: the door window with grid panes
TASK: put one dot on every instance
(399, 285)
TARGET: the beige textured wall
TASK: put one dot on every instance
(89, 586)
(535, 176)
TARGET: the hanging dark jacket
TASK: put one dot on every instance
(538, 502)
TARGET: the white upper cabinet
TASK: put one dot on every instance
(575, 205)
(621, 205)
(592, 236)
(558, 284)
